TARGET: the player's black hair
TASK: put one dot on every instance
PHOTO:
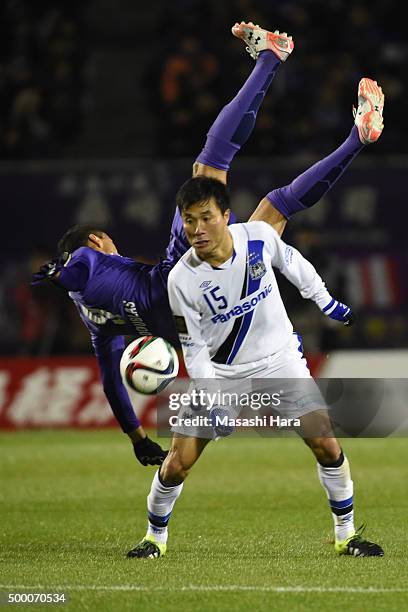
(75, 237)
(201, 189)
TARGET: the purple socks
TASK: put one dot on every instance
(234, 124)
(308, 188)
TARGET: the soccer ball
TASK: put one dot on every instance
(148, 365)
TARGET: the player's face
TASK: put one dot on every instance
(206, 227)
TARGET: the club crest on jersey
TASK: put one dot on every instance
(257, 269)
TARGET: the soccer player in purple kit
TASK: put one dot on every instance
(118, 296)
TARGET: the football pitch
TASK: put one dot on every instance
(252, 528)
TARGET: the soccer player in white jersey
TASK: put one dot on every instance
(226, 268)
(205, 223)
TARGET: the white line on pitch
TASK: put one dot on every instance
(201, 587)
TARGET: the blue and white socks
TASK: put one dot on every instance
(336, 480)
(160, 503)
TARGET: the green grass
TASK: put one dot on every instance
(252, 517)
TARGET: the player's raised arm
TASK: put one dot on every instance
(301, 273)
(187, 321)
(108, 351)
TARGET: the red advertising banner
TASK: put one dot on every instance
(52, 392)
(64, 392)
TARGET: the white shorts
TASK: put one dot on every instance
(284, 376)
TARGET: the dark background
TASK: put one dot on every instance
(104, 107)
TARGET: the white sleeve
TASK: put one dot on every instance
(187, 319)
(298, 270)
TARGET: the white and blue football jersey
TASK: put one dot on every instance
(234, 314)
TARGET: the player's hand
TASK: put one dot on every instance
(50, 269)
(339, 312)
(148, 452)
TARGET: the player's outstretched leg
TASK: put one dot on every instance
(308, 188)
(236, 121)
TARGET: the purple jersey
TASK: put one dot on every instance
(118, 296)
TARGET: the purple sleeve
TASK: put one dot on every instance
(108, 351)
(75, 277)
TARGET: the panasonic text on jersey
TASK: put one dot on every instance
(244, 307)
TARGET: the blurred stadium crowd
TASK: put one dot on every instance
(189, 67)
(41, 78)
(309, 108)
